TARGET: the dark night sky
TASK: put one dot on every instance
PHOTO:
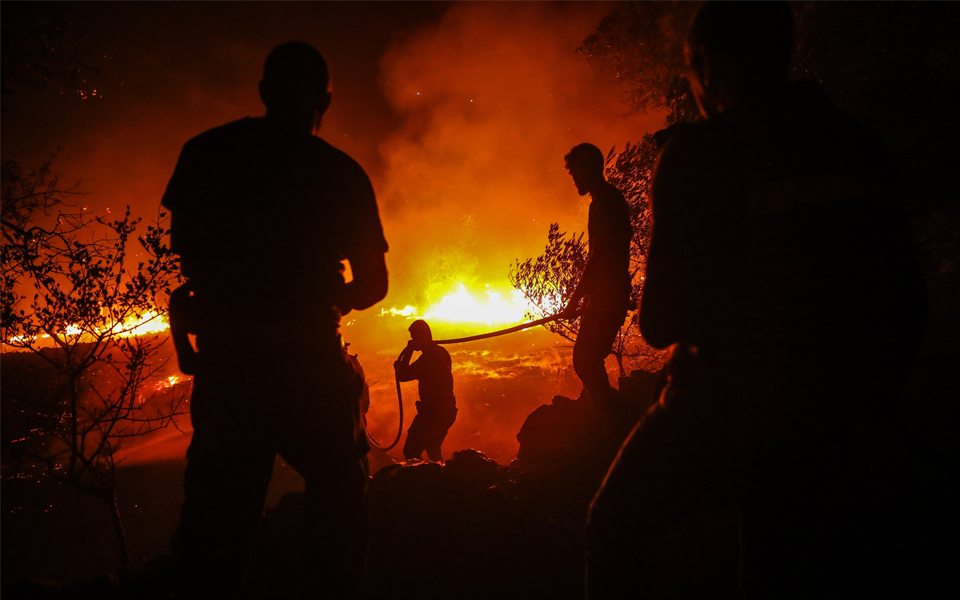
(173, 70)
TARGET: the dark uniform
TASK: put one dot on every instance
(437, 408)
(606, 281)
(262, 218)
(781, 263)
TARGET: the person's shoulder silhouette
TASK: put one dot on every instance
(263, 214)
(259, 202)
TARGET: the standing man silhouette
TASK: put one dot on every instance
(437, 408)
(606, 279)
(263, 214)
(781, 272)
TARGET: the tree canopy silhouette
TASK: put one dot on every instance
(75, 297)
(891, 65)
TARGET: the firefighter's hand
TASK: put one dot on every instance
(571, 311)
(404, 357)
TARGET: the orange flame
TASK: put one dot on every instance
(462, 306)
(149, 322)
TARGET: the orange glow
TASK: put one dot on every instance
(149, 322)
(406, 311)
(172, 380)
(502, 97)
(462, 306)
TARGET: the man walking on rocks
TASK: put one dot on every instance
(605, 285)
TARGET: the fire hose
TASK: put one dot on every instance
(472, 338)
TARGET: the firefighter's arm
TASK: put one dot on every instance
(182, 317)
(369, 284)
(402, 365)
(181, 199)
(582, 289)
(361, 241)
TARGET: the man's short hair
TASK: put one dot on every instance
(420, 329)
(587, 156)
(296, 74)
(758, 36)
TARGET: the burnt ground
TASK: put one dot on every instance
(475, 529)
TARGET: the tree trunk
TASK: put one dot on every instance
(74, 426)
(111, 499)
(619, 357)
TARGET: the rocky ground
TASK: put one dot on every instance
(469, 528)
(472, 528)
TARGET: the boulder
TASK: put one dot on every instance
(567, 432)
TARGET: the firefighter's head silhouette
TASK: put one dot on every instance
(420, 335)
(296, 82)
(585, 164)
(737, 50)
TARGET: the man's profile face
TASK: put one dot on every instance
(579, 178)
(697, 75)
(321, 106)
(419, 341)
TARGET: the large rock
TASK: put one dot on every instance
(568, 432)
(469, 528)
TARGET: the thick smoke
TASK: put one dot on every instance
(493, 96)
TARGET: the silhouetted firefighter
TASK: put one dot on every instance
(606, 278)
(437, 408)
(263, 214)
(781, 270)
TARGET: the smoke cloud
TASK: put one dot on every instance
(492, 96)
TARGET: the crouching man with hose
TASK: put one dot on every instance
(437, 408)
